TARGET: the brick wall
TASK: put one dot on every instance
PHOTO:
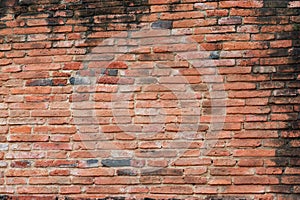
(149, 99)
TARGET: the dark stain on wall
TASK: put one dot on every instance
(4, 197)
(93, 14)
(272, 11)
(287, 155)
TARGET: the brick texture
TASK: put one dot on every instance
(150, 99)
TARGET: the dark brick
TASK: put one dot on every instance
(41, 82)
(2, 25)
(162, 25)
(214, 55)
(53, 21)
(288, 152)
(109, 72)
(80, 81)
(92, 163)
(278, 53)
(266, 12)
(287, 35)
(296, 125)
(26, 2)
(285, 92)
(112, 72)
(115, 163)
(4, 197)
(103, 71)
(295, 52)
(283, 76)
(126, 172)
(71, 165)
(276, 3)
(230, 20)
(162, 172)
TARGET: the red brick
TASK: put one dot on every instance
(294, 4)
(229, 37)
(242, 12)
(20, 129)
(259, 180)
(220, 181)
(290, 180)
(256, 134)
(207, 190)
(105, 190)
(93, 172)
(25, 155)
(230, 171)
(245, 143)
(290, 170)
(249, 189)
(263, 37)
(290, 134)
(49, 180)
(171, 190)
(248, 94)
(51, 113)
(244, 45)
(248, 78)
(250, 162)
(116, 180)
(82, 180)
(28, 138)
(60, 172)
(194, 23)
(281, 44)
(26, 172)
(241, 4)
(181, 15)
(266, 125)
(254, 153)
(52, 146)
(70, 189)
(278, 28)
(32, 30)
(224, 162)
(36, 190)
(248, 110)
(215, 29)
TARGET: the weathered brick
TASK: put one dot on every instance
(162, 25)
(126, 172)
(115, 163)
(171, 190)
(230, 20)
(21, 164)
